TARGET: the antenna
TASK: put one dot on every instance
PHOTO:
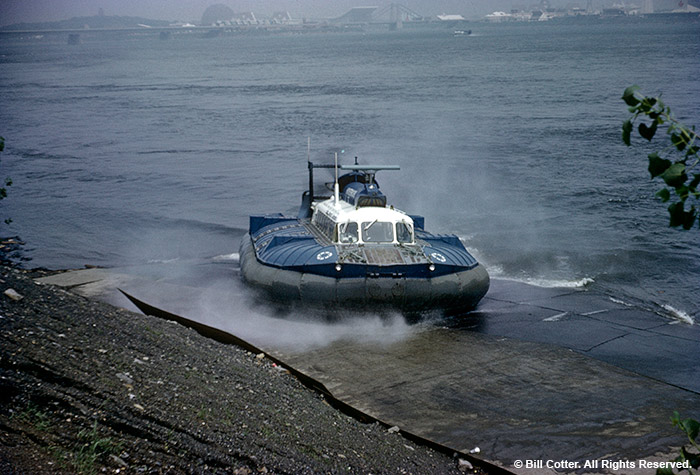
(336, 187)
(311, 170)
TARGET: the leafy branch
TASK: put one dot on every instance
(676, 164)
(687, 458)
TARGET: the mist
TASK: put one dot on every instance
(209, 291)
(28, 11)
(232, 308)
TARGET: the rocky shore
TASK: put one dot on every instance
(89, 388)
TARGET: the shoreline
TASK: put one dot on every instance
(90, 388)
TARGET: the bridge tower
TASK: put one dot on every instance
(395, 16)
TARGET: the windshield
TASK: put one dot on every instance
(377, 231)
(347, 233)
(404, 232)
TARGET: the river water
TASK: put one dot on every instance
(127, 150)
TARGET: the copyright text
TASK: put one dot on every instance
(614, 465)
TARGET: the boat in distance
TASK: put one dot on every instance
(351, 250)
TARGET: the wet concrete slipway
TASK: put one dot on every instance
(565, 378)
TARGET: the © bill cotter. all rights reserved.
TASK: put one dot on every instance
(613, 465)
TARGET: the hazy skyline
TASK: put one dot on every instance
(19, 11)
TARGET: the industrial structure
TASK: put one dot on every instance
(220, 19)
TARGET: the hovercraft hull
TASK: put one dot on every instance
(367, 289)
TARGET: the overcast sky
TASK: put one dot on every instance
(17, 11)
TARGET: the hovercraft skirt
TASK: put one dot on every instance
(456, 291)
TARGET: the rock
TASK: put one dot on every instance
(464, 465)
(258, 420)
(393, 430)
(125, 378)
(118, 460)
(12, 293)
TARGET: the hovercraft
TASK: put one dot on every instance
(351, 250)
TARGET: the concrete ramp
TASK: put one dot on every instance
(584, 388)
(512, 399)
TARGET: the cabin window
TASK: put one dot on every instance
(404, 232)
(378, 201)
(347, 233)
(377, 231)
(325, 225)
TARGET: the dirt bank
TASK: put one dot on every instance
(90, 388)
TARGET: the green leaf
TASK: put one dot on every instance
(693, 185)
(628, 96)
(680, 217)
(694, 461)
(657, 165)
(646, 131)
(679, 140)
(692, 428)
(664, 194)
(676, 418)
(677, 215)
(675, 175)
(626, 132)
(647, 104)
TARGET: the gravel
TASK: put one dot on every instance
(90, 388)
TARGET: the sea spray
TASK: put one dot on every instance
(679, 315)
(230, 306)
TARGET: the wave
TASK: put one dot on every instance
(497, 272)
(620, 302)
(163, 261)
(233, 257)
(554, 283)
(679, 315)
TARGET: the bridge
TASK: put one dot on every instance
(393, 14)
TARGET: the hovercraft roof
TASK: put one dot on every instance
(359, 188)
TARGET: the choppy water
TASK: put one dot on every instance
(127, 150)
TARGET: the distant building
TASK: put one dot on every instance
(450, 17)
(244, 18)
(498, 16)
(281, 18)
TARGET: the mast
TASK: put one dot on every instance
(311, 170)
(336, 187)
